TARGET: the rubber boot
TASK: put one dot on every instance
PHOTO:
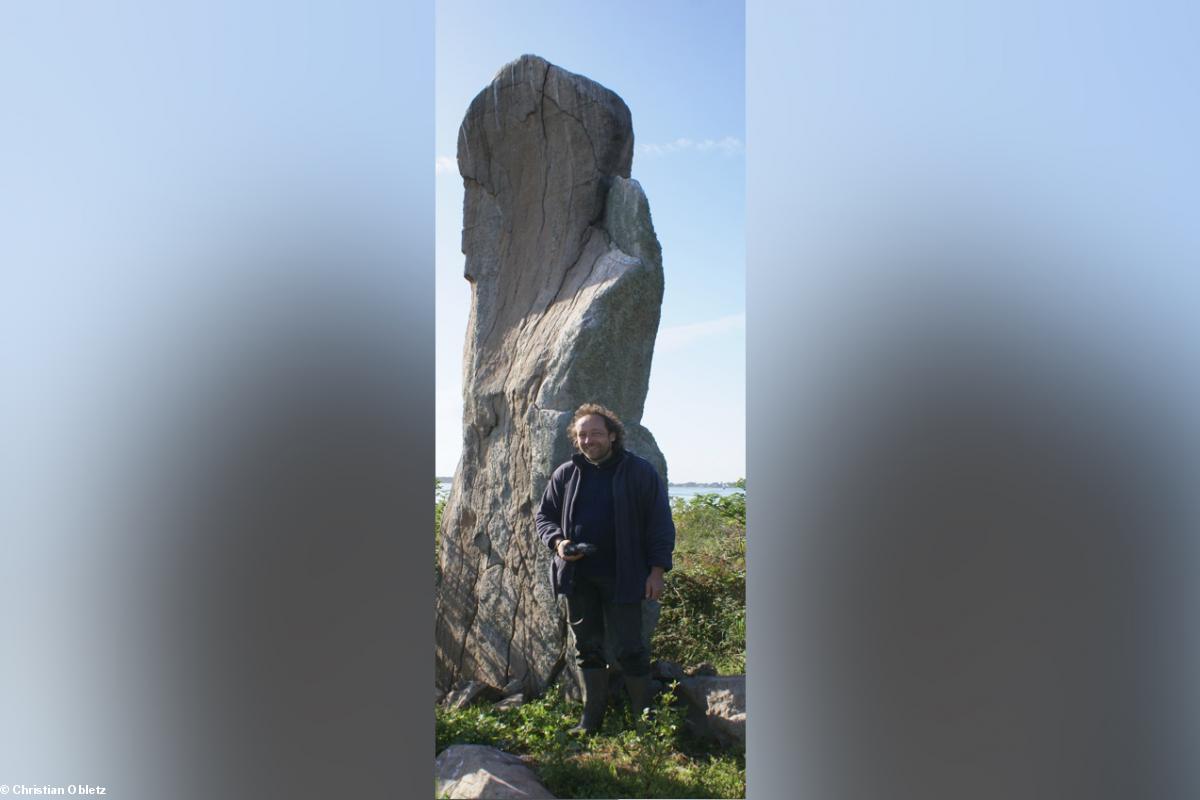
(595, 700)
(639, 693)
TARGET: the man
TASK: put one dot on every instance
(614, 500)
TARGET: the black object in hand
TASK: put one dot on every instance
(579, 549)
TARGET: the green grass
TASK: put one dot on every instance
(659, 760)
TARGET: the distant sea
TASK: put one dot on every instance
(673, 490)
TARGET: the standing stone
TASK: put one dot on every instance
(567, 283)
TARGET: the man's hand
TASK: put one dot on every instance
(559, 548)
(655, 583)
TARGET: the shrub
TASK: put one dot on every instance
(704, 609)
(439, 506)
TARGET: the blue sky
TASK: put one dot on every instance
(680, 68)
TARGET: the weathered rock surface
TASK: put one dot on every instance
(717, 707)
(475, 770)
(512, 701)
(567, 285)
(468, 692)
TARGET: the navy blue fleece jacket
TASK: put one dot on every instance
(645, 532)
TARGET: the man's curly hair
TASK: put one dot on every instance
(611, 421)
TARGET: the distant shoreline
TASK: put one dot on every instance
(686, 485)
(689, 485)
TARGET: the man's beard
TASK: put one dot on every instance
(607, 454)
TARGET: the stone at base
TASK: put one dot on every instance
(471, 771)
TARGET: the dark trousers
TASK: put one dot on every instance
(591, 610)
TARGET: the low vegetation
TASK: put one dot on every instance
(704, 607)
(660, 760)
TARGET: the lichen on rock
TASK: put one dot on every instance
(567, 284)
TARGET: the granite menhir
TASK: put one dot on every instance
(566, 284)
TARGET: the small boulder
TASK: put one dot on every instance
(717, 707)
(475, 770)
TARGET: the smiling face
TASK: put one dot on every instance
(595, 440)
